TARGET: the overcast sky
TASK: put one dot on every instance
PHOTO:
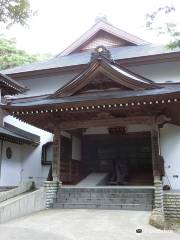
(59, 22)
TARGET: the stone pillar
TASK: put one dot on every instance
(157, 218)
(51, 188)
(56, 156)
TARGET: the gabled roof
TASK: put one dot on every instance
(105, 26)
(116, 73)
(9, 86)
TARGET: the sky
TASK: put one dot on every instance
(59, 22)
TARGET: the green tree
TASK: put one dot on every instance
(167, 28)
(10, 56)
(15, 12)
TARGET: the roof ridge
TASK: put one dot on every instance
(107, 27)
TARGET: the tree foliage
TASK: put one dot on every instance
(10, 56)
(15, 12)
(168, 27)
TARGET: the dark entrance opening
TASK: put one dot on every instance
(132, 153)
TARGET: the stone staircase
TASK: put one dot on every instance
(172, 205)
(124, 198)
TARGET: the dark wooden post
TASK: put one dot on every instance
(56, 155)
(155, 150)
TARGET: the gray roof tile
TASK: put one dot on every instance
(84, 57)
(166, 89)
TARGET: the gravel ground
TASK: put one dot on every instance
(84, 225)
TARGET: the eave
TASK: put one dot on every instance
(11, 136)
(9, 86)
(80, 103)
(125, 62)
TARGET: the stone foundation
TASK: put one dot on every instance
(172, 205)
(51, 188)
(157, 218)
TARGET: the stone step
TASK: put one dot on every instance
(172, 212)
(171, 203)
(106, 190)
(104, 206)
(177, 216)
(105, 200)
(66, 197)
(171, 199)
(104, 195)
(173, 206)
(171, 209)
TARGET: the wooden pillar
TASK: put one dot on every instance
(155, 150)
(56, 155)
(157, 217)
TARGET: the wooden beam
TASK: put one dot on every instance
(107, 122)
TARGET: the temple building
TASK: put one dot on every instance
(111, 101)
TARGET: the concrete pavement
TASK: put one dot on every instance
(84, 225)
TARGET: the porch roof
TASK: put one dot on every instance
(166, 90)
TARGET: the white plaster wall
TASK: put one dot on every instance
(11, 168)
(96, 130)
(130, 128)
(138, 128)
(22, 205)
(170, 150)
(76, 148)
(162, 72)
(30, 167)
(42, 85)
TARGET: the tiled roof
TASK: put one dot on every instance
(75, 59)
(104, 95)
(12, 133)
(10, 86)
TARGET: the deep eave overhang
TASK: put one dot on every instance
(68, 104)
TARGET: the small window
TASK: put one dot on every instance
(47, 153)
(8, 153)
